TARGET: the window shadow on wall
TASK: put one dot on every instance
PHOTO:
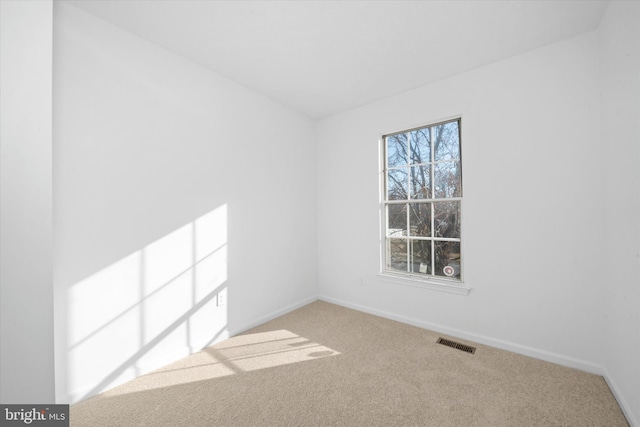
(160, 303)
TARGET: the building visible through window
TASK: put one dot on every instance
(422, 202)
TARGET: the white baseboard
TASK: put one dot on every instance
(624, 405)
(504, 345)
(75, 396)
(280, 312)
(132, 372)
(481, 339)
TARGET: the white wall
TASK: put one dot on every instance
(620, 84)
(172, 185)
(26, 297)
(532, 222)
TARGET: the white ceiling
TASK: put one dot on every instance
(325, 57)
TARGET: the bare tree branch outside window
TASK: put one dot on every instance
(423, 201)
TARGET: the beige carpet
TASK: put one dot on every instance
(325, 365)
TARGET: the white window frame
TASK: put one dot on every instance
(427, 281)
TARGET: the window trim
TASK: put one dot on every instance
(432, 282)
(456, 287)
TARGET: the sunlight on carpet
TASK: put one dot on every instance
(242, 353)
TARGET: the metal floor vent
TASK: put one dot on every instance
(457, 345)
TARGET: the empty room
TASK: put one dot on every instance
(309, 213)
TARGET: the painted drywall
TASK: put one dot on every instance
(531, 220)
(184, 209)
(26, 295)
(620, 135)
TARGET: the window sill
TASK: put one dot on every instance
(432, 284)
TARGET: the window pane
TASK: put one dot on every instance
(397, 254)
(447, 180)
(397, 184)
(446, 141)
(397, 220)
(420, 146)
(447, 259)
(420, 182)
(423, 174)
(420, 256)
(420, 219)
(446, 219)
(397, 150)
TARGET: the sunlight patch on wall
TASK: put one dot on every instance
(149, 308)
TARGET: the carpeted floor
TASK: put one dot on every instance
(325, 365)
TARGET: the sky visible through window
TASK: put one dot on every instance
(423, 200)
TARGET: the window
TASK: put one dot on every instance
(422, 202)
